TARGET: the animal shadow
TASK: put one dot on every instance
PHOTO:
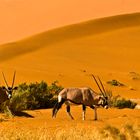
(23, 114)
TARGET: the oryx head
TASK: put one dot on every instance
(103, 98)
(9, 89)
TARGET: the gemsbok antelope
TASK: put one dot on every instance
(82, 96)
(6, 91)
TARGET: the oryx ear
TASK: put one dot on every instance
(15, 88)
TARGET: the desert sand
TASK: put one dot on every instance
(22, 18)
(107, 47)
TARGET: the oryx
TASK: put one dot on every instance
(6, 91)
(83, 96)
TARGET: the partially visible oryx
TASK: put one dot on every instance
(83, 96)
(6, 91)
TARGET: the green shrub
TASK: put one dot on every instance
(34, 96)
(123, 103)
(119, 102)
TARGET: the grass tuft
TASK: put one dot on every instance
(128, 132)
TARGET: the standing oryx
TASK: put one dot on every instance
(82, 96)
(6, 92)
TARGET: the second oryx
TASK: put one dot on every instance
(6, 91)
(83, 96)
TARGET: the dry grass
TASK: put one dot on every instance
(113, 124)
(128, 132)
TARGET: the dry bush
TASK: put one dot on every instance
(119, 102)
(134, 75)
(115, 83)
(34, 96)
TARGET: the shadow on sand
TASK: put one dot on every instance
(23, 114)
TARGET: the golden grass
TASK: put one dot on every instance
(112, 124)
(128, 132)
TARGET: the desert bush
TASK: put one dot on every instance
(115, 83)
(34, 96)
(123, 103)
(119, 102)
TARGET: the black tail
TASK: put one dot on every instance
(54, 109)
(57, 106)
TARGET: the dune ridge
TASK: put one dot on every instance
(92, 27)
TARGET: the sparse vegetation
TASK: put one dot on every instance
(34, 96)
(119, 102)
(123, 103)
(2, 120)
(115, 83)
(134, 76)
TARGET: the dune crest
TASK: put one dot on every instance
(89, 28)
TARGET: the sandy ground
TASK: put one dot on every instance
(42, 118)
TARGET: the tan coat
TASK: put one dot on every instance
(85, 96)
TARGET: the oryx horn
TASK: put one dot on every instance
(102, 85)
(13, 79)
(98, 85)
(5, 80)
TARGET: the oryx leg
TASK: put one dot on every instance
(95, 112)
(57, 107)
(84, 112)
(68, 110)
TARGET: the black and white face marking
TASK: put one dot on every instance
(103, 102)
(9, 91)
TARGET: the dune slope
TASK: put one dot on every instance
(108, 47)
(84, 29)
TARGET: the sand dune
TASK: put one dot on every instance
(108, 47)
(84, 29)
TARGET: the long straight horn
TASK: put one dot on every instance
(13, 79)
(97, 84)
(102, 85)
(5, 79)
